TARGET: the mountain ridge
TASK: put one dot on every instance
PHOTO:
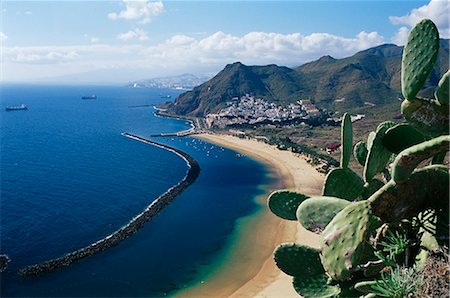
(371, 76)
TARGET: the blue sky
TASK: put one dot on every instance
(118, 41)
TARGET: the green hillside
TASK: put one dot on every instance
(368, 77)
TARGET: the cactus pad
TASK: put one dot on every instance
(410, 158)
(378, 155)
(284, 203)
(427, 117)
(400, 137)
(360, 152)
(419, 56)
(443, 89)
(346, 140)
(343, 183)
(298, 260)
(315, 286)
(425, 187)
(365, 286)
(371, 187)
(345, 240)
(315, 213)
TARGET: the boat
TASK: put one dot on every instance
(166, 96)
(22, 107)
(93, 96)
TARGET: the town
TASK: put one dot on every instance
(253, 111)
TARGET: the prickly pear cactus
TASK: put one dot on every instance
(426, 116)
(346, 140)
(360, 152)
(284, 203)
(350, 227)
(315, 286)
(443, 89)
(378, 155)
(315, 213)
(400, 137)
(425, 187)
(345, 243)
(410, 158)
(298, 260)
(344, 184)
(419, 56)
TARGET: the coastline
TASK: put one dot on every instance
(132, 226)
(248, 269)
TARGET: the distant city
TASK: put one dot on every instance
(181, 82)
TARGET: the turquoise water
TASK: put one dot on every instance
(68, 178)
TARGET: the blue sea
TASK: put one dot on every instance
(69, 178)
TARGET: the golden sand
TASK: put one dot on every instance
(249, 269)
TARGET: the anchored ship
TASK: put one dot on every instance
(17, 108)
(89, 97)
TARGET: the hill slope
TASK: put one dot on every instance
(371, 76)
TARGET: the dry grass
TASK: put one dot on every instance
(436, 275)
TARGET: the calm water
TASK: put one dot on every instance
(68, 178)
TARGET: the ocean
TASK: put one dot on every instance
(69, 178)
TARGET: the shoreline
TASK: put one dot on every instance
(248, 269)
(136, 223)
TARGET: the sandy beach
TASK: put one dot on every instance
(249, 270)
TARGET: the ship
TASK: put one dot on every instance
(165, 96)
(89, 97)
(22, 107)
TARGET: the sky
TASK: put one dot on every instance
(114, 42)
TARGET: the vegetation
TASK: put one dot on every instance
(381, 232)
(371, 76)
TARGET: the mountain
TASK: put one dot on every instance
(370, 76)
(184, 81)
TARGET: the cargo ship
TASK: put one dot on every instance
(22, 107)
(89, 97)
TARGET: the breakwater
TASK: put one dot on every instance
(132, 226)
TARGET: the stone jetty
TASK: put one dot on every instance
(133, 226)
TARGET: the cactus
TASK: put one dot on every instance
(410, 158)
(378, 155)
(360, 152)
(315, 213)
(425, 187)
(298, 260)
(284, 203)
(371, 187)
(419, 56)
(346, 140)
(343, 183)
(345, 243)
(315, 286)
(349, 248)
(426, 116)
(443, 89)
(400, 137)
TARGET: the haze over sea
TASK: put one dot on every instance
(69, 178)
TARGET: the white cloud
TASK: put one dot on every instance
(3, 37)
(181, 53)
(142, 10)
(50, 56)
(437, 10)
(28, 13)
(92, 39)
(134, 34)
(401, 36)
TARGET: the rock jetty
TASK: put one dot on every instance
(129, 229)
